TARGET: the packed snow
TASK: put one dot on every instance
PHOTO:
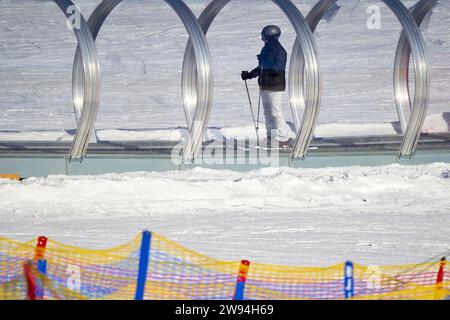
(177, 134)
(386, 215)
(141, 48)
(439, 123)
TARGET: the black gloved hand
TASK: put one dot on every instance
(245, 75)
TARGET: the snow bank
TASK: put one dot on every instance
(40, 135)
(200, 189)
(141, 50)
(390, 214)
(438, 123)
(213, 133)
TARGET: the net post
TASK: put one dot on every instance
(41, 266)
(241, 280)
(42, 269)
(349, 280)
(143, 265)
(30, 280)
(40, 248)
(440, 279)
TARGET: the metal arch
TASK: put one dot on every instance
(203, 86)
(90, 83)
(94, 22)
(411, 35)
(416, 43)
(401, 67)
(305, 117)
(307, 52)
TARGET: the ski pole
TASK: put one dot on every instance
(259, 108)
(259, 99)
(251, 108)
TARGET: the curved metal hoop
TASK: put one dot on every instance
(197, 90)
(306, 51)
(305, 118)
(203, 85)
(89, 85)
(401, 80)
(411, 38)
(296, 87)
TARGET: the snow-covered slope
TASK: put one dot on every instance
(383, 215)
(141, 49)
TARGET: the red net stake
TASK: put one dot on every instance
(40, 248)
(31, 281)
(440, 279)
(440, 276)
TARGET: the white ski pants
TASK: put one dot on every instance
(273, 112)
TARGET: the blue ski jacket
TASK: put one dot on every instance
(272, 67)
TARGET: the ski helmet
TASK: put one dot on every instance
(271, 32)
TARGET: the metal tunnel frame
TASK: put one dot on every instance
(304, 77)
(411, 42)
(421, 100)
(405, 108)
(89, 85)
(305, 51)
(305, 117)
(203, 86)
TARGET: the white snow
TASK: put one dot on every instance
(354, 129)
(177, 134)
(437, 123)
(141, 48)
(386, 215)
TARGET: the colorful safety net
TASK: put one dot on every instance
(155, 268)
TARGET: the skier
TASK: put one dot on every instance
(272, 82)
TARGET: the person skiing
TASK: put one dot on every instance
(271, 73)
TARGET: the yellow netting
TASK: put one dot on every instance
(175, 272)
(13, 255)
(96, 274)
(411, 282)
(178, 273)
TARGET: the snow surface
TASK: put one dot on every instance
(177, 134)
(439, 123)
(141, 48)
(386, 215)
